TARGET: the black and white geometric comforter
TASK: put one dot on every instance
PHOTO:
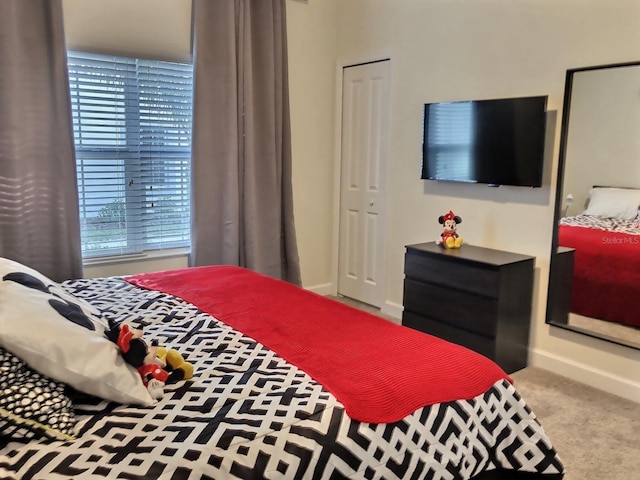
(248, 414)
(631, 227)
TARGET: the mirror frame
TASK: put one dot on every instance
(555, 281)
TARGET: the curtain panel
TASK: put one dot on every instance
(242, 206)
(39, 223)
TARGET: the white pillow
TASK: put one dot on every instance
(59, 336)
(11, 267)
(619, 203)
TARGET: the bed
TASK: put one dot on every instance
(606, 239)
(286, 384)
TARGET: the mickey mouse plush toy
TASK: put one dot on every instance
(449, 238)
(156, 365)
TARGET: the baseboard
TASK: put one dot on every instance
(394, 310)
(586, 374)
(324, 290)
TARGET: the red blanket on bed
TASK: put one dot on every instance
(380, 371)
(606, 274)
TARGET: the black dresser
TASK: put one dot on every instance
(476, 297)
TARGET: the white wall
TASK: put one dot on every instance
(146, 28)
(461, 50)
(312, 42)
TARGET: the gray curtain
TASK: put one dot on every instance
(242, 210)
(39, 223)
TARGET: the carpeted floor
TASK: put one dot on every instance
(596, 434)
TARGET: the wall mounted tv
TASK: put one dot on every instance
(494, 142)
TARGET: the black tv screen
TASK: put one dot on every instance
(497, 142)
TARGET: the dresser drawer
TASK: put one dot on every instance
(483, 345)
(476, 297)
(470, 312)
(462, 276)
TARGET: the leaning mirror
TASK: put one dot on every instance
(594, 285)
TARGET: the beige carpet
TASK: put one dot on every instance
(596, 434)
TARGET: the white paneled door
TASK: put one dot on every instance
(363, 185)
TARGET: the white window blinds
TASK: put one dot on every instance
(132, 128)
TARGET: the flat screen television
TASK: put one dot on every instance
(494, 142)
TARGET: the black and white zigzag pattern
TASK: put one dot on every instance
(248, 414)
(631, 227)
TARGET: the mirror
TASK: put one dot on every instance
(594, 285)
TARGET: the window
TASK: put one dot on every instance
(450, 143)
(132, 130)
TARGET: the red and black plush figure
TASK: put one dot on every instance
(157, 366)
(449, 238)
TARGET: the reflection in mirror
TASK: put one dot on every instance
(594, 286)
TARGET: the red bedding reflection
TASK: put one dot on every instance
(606, 277)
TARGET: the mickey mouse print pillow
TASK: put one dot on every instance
(62, 337)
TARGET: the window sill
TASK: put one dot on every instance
(137, 257)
